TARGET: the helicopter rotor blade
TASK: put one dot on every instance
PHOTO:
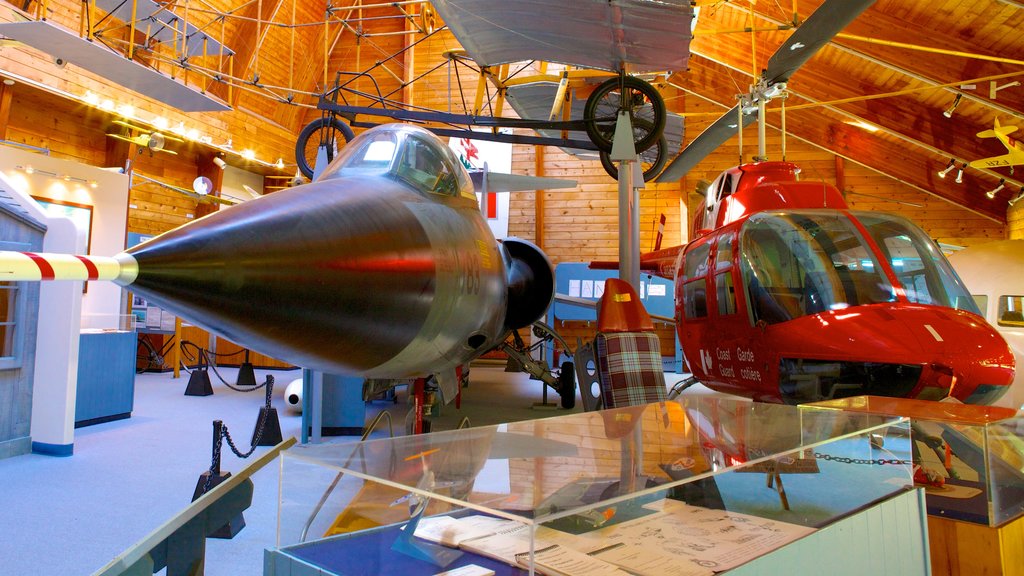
(819, 28)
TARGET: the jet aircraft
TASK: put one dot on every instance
(384, 267)
(1014, 148)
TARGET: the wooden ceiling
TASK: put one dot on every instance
(914, 139)
(287, 51)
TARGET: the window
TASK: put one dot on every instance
(695, 302)
(696, 261)
(726, 294)
(926, 276)
(368, 155)
(982, 301)
(1011, 311)
(8, 319)
(806, 262)
(724, 256)
(423, 167)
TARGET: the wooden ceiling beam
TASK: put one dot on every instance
(249, 34)
(824, 128)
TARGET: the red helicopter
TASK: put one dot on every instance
(787, 295)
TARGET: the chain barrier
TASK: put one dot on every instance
(205, 354)
(226, 435)
(846, 460)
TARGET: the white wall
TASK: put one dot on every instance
(101, 305)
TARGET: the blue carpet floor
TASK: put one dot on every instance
(70, 516)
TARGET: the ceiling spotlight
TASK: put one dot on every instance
(949, 168)
(220, 162)
(960, 173)
(280, 164)
(948, 113)
(1017, 198)
(992, 193)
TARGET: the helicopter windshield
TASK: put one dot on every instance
(805, 262)
(926, 276)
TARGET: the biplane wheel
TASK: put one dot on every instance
(428, 19)
(652, 160)
(644, 102)
(320, 131)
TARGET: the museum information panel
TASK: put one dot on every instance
(692, 487)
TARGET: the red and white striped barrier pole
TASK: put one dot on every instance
(29, 266)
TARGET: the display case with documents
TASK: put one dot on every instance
(692, 487)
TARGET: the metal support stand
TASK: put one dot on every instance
(246, 373)
(624, 152)
(212, 477)
(271, 429)
(199, 381)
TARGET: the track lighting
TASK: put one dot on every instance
(960, 173)
(949, 168)
(1020, 194)
(992, 193)
(948, 113)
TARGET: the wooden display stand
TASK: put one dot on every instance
(968, 549)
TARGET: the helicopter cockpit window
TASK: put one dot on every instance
(371, 154)
(695, 288)
(425, 167)
(806, 262)
(1011, 311)
(926, 276)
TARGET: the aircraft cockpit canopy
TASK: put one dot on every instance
(406, 153)
(803, 262)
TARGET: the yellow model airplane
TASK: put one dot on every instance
(1015, 148)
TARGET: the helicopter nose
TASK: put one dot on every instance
(968, 357)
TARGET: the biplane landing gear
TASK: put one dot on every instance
(322, 132)
(652, 160)
(646, 112)
(520, 359)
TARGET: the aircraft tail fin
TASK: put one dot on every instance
(997, 131)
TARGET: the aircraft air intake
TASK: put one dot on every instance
(531, 283)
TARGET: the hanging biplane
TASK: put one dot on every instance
(784, 294)
(1014, 148)
(603, 51)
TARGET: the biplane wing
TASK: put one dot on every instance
(640, 35)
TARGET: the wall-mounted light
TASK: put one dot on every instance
(960, 173)
(248, 154)
(1020, 194)
(948, 113)
(992, 193)
(949, 168)
(220, 162)
(279, 164)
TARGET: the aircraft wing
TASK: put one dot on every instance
(501, 182)
(605, 34)
(998, 161)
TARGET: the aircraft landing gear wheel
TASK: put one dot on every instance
(652, 160)
(322, 131)
(567, 386)
(642, 100)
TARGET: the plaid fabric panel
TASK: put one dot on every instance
(630, 369)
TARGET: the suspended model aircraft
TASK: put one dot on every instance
(384, 267)
(1014, 148)
(784, 294)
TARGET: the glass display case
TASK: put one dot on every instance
(968, 458)
(691, 487)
